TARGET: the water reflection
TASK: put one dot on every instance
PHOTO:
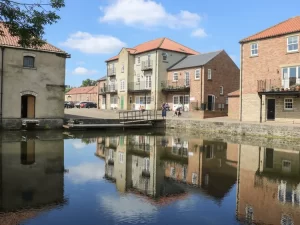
(32, 177)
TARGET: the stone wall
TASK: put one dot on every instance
(234, 107)
(44, 124)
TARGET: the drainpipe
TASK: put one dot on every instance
(2, 74)
(260, 110)
(202, 76)
(156, 76)
(241, 82)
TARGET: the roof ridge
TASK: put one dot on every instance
(146, 42)
(219, 51)
(163, 40)
(269, 28)
(182, 45)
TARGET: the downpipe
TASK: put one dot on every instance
(1, 91)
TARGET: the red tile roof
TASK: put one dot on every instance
(160, 43)
(83, 90)
(289, 26)
(234, 93)
(8, 40)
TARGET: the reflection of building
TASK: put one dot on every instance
(272, 176)
(206, 164)
(32, 177)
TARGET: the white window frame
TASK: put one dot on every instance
(284, 103)
(209, 76)
(164, 56)
(148, 84)
(254, 49)
(147, 164)
(288, 44)
(121, 157)
(221, 90)
(175, 74)
(187, 79)
(122, 85)
(197, 72)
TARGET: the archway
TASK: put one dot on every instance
(28, 106)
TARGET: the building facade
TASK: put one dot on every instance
(270, 74)
(135, 75)
(32, 84)
(81, 94)
(202, 82)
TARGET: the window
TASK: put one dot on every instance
(194, 178)
(226, 101)
(175, 76)
(28, 61)
(184, 173)
(165, 56)
(292, 43)
(130, 99)
(288, 104)
(138, 60)
(254, 49)
(221, 90)
(138, 78)
(121, 157)
(172, 172)
(186, 99)
(249, 214)
(122, 85)
(209, 151)
(197, 74)
(122, 68)
(148, 100)
(290, 76)
(114, 100)
(148, 82)
(286, 220)
(175, 100)
(110, 154)
(209, 74)
(147, 164)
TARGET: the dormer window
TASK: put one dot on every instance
(28, 62)
(165, 56)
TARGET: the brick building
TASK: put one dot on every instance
(80, 94)
(234, 105)
(270, 74)
(201, 79)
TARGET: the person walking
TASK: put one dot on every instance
(164, 111)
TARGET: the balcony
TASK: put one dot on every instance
(109, 89)
(143, 86)
(278, 87)
(111, 72)
(175, 86)
(147, 65)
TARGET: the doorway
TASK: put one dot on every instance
(211, 103)
(28, 106)
(271, 109)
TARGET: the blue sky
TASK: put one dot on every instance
(95, 30)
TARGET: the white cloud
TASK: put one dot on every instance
(83, 71)
(86, 172)
(78, 144)
(199, 33)
(93, 44)
(128, 208)
(147, 13)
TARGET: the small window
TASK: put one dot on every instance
(209, 74)
(122, 68)
(175, 76)
(165, 56)
(197, 74)
(148, 100)
(221, 90)
(254, 49)
(292, 43)
(288, 104)
(28, 61)
(122, 85)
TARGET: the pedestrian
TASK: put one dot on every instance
(164, 111)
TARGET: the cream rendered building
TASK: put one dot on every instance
(135, 75)
(32, 84)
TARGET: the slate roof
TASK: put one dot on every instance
(11, 41)
(159, 43)
(83, 90)
(102, 78)
(195, 60)
(289, 26)
(234, 93)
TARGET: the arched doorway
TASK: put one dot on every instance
(28, 106)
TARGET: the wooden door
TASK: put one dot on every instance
(30, 107)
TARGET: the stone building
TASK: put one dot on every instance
(32, 84)
(81, 94)
(270, 74)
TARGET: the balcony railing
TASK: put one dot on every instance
(139, 86)
(111, 72)
(178, 85)
(111, 88)
(147, 65)
(278, 85)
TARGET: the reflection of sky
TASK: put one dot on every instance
(77, 144)
(128, 208)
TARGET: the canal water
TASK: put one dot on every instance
(77, 178)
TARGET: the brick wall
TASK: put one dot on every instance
(233, 107)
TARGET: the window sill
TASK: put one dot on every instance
(29, 68)
(221, 94)
(288, 110)
(293, 52)
(253, 56)
(197, 78)
(174, 81)
(209, 79)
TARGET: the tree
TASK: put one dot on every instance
(27, 20)
(88, 82)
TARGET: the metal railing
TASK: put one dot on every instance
(147, 65)
(139, 86)
(137, 115)
(172, 85)
(111, 72)
(109, 88)
(276, 85)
